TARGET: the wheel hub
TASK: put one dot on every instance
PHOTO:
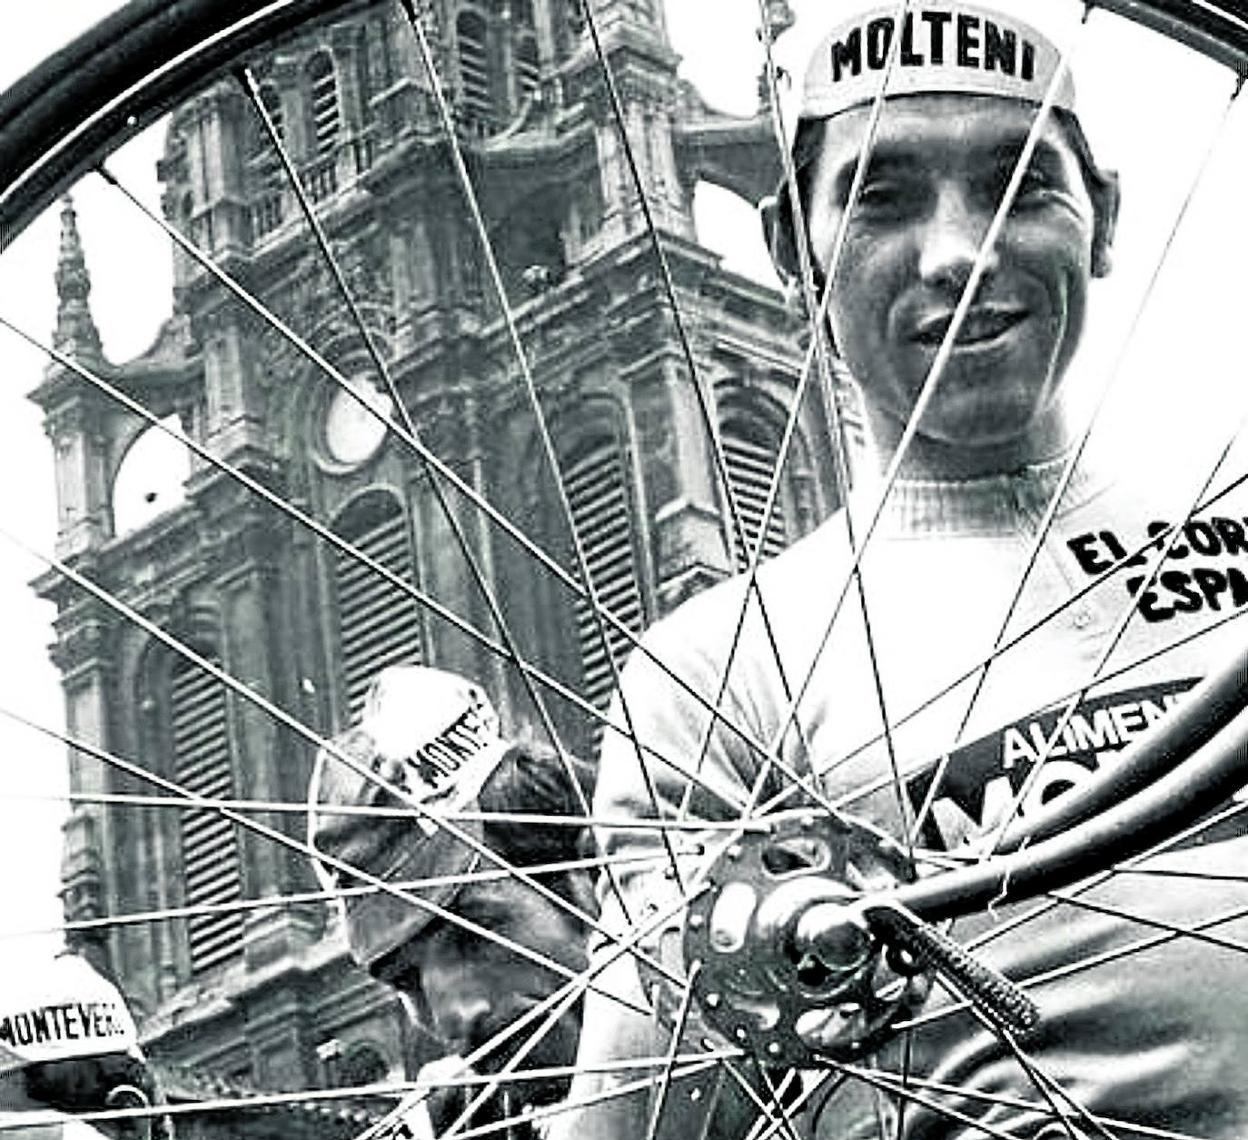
(759, 983)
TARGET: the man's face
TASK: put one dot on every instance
(939, 167)
(475, 987)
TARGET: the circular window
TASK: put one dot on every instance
(352, 432)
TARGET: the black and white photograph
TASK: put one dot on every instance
(624, 570)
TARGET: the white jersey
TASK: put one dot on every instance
(940, 579)
(66, 1128)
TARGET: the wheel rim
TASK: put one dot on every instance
(30, 195)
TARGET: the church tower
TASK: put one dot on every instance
(260, 992)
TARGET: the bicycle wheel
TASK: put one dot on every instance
(500, 529)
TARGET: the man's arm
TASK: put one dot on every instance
(686, 768)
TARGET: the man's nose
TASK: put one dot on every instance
(951, 238)
(463, 1018)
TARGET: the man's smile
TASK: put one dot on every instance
(984, 324)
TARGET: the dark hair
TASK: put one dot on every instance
(808, 142)
(93, 1084)
(532, 779)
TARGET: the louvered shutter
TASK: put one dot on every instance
(379, 624)
(474, 66)
(210, 851)
(323, 84)
(258, 139)
(528, 67)
(750, 453)
(597, 488)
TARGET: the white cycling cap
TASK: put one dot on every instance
(60, 1010)
(947, 48)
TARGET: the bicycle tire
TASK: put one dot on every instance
(62, 119)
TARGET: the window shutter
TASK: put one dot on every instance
(528, 67)
(324, 94)
(597, 488)
(750, 453)
(258, 139)
(474, 67)
(378, 623)
(210, 851)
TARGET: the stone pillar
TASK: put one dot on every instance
(690, 546)
(279, 1034)
(216, 145)
(90, 887)
(233, 392)
(81, 469)
(345, 46)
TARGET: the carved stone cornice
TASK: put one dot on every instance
(84, 647)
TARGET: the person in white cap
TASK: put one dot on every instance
(68, 1046)
(1131, 1040)
(435, 737)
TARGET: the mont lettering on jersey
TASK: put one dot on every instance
(981, 782)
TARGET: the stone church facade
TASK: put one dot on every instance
(261, 995)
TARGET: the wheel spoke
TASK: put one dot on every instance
(1049, 1089)
(773, 1112)
(1044, 527)
(678, 1032)
(350, 871)
(479, 577)
(888, 1084)
(826, 1084)
(783, 756)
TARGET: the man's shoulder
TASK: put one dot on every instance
(707, 623)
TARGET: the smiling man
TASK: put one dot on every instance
(937, 174)
(897, 722)
(955, 125)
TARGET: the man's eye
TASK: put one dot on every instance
(1034, 181)
(887, 195)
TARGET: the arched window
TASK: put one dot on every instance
(211, 875)
(751, 436)
(596, 477)
(150, 480)
(528, 68)
(474, 66)
(378, 623)
(323, 99)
